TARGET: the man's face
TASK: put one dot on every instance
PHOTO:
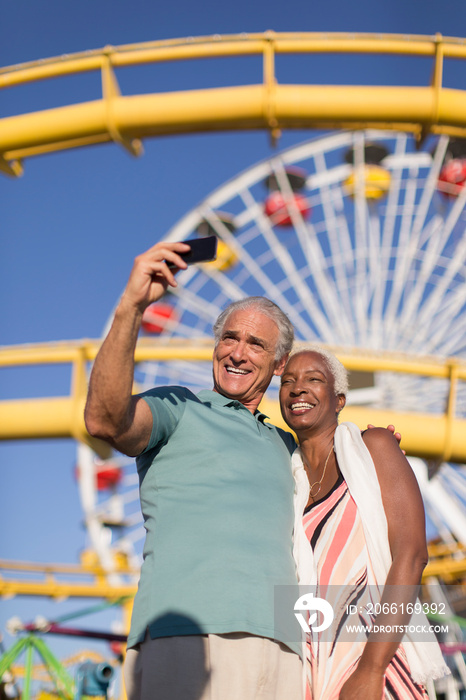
(244, 359)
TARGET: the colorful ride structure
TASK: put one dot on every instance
(359, 235)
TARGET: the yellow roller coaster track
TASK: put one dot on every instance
(269, 105)
(62, 581)
(430, 436)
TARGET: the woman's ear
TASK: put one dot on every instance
(341, 402)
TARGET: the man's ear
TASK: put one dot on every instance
(280, 366)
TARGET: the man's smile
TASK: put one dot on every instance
(236, 370)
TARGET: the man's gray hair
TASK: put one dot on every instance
(268, 308)
(339, 371)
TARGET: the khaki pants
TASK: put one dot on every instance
(233, 666)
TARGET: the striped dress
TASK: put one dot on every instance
(335, 532)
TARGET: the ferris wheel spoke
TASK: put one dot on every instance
(380, 326)
(364, 239)
(435, 246)
(430, 186)
(189, 301)
(440, 525)
(418, 231)
(135, 537)
(200, 375)
(436, 236)
(175, 373)
(376, 274)
(448, 334)
(396, 164)
(314, 276)
(131, 522)
(340, 247)
(339, 240)
(457, 484)
(286, 262)
(425, 276)
(259, 276)
(403, 262)
(455, 342)
(455, 263)
(324, 289)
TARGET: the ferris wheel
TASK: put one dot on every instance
(360, 238)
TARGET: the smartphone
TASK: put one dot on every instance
(202, 250)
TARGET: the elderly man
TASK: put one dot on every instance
(217, 498)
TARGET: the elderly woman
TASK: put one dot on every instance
(365, 527)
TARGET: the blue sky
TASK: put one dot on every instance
(71, 226)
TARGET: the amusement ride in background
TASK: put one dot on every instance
(358, 235)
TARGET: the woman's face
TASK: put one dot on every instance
(307, 393)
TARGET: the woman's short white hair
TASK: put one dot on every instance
(339, 371)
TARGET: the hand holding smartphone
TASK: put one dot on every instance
(202, 250)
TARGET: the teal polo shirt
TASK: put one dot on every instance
(216, 492)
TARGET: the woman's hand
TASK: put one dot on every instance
(363, 684)
(391, 428)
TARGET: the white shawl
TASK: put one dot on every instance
(425, 658)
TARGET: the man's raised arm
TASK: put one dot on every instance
(112, 413)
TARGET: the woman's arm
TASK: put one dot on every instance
(404, 511)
